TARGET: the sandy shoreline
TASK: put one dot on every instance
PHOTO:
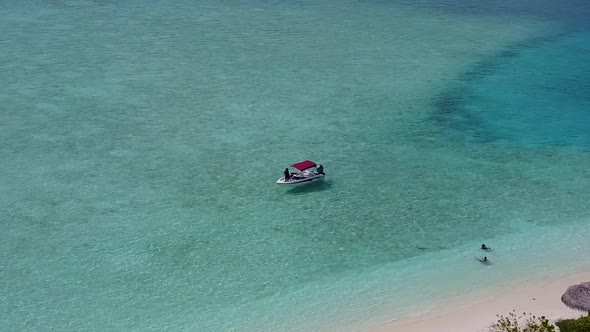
(475, 312)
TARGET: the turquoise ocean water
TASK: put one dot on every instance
(141, 142)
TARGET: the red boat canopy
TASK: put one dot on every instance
(302, 166)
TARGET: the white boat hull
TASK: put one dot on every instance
(298, 182)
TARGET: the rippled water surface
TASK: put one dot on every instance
(142, 140)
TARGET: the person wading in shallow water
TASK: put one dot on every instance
(484, 247)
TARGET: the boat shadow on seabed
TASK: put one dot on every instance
(311, 187)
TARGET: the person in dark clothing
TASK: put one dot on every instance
(484, 247)
(484, 260)
(320, 169)
(287, 175)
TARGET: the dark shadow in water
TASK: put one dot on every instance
(312, 187)
(450, 114)
(452, 108)
(489, 65)
(449, 111)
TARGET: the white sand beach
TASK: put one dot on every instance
(476, 312)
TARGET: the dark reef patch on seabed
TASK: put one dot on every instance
(450, 114)
(476, 108)
(487, 66)
(449, 111)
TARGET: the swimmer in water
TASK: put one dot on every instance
(484, 260)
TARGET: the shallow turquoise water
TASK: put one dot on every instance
(142, 142)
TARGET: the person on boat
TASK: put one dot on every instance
(287, 175)
(484, 247)
(320, 169)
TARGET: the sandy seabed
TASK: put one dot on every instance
(476, 312)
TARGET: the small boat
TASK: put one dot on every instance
(309, 172)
